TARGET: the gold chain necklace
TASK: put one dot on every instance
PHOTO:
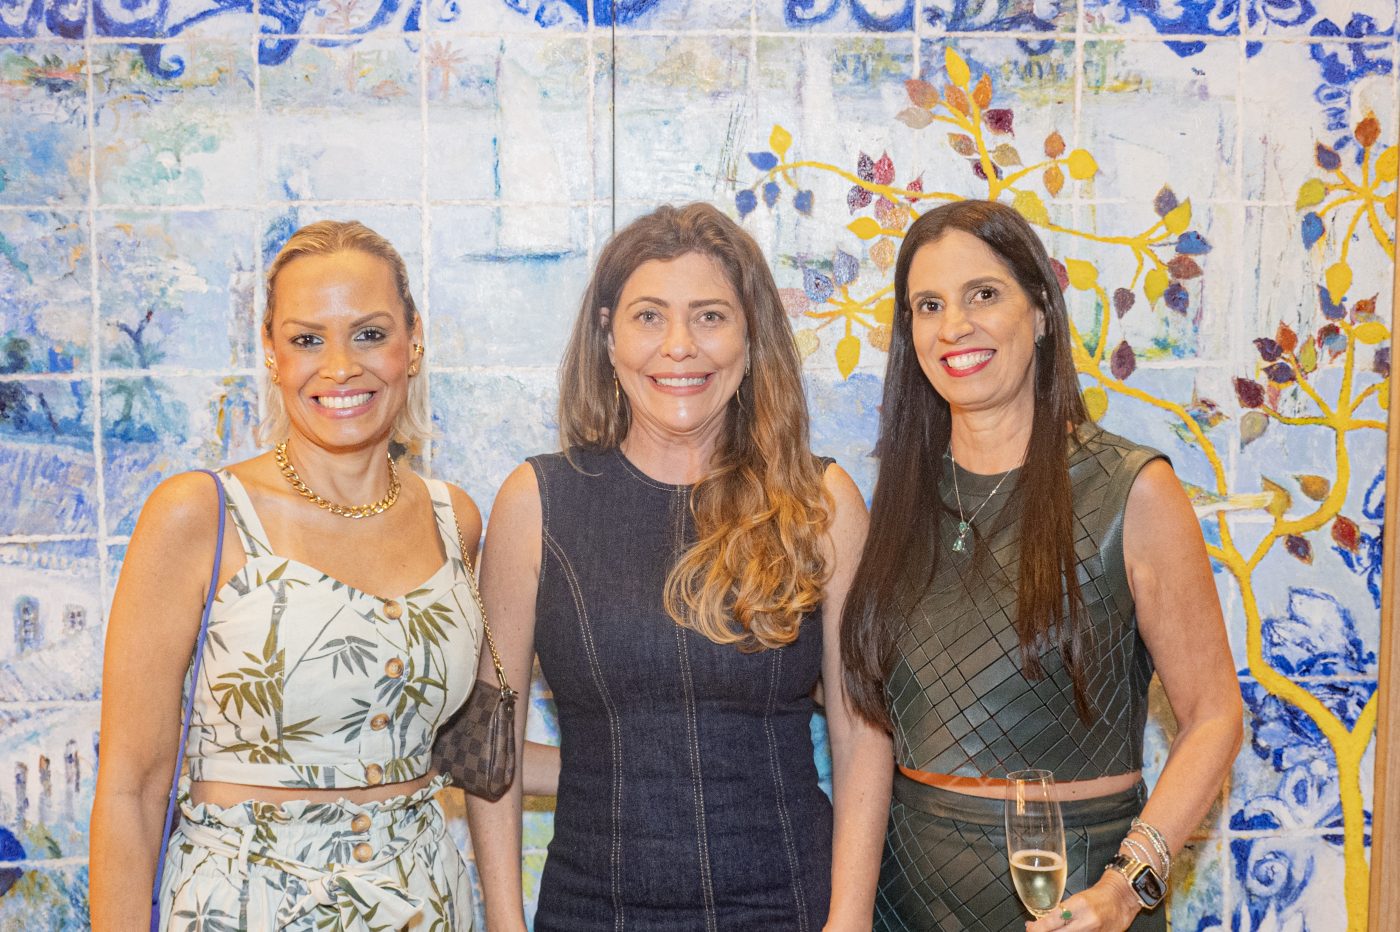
(345, 511)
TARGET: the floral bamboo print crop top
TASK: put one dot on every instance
(308, 682)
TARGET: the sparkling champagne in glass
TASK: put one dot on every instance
(1035, 840)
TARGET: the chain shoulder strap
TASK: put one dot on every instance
(480, 607)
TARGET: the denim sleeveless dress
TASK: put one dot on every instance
(688, 796)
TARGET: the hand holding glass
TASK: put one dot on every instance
(1035, 840)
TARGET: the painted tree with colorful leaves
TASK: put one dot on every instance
(1344, 334)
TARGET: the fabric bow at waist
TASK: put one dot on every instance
(362, 898)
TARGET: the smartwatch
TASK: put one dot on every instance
(1146, 885)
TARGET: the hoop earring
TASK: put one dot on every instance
(617, 392)
(417, 364)
(272, 370)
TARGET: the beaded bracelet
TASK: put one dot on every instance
(1139, 852)
(1159, 844)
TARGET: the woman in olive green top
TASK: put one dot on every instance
(1024, 575)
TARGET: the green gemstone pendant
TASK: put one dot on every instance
(960, 544)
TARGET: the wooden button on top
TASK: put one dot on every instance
(359, 824)
(393, 610)
(363, 852)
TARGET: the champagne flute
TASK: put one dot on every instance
(1035, 840)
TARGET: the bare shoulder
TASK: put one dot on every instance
(849, 523)
(1158, 496)
(1160, 527)
(514, 551)
(518, 499)
(183, 507)
(468, 515)
(173, 545)
(843, 489)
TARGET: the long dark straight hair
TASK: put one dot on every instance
(901, 555)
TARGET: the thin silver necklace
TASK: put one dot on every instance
(965, 523)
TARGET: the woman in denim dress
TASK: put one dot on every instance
(679, 571)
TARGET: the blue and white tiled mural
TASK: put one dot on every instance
(1216, 180)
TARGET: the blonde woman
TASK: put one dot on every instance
(679, 571)
(343, 632)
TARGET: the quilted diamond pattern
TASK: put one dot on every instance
(959, 700)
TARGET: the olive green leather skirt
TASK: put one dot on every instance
(945, 865)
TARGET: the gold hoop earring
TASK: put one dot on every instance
(272, 370)
(617, 392)
(416, 364)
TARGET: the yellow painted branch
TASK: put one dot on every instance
(1208, 448)
(1296, 421)
(889, 191)
(1356, 879)
(1307, 388)
(1326, 510)
(1281, 686)
(1328, 208)
(1366, 392)
(1348, 370)
(1016, 176)
(1346, 243)
(1378, 230)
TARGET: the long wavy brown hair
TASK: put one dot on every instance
(761, 511)
(901, 557)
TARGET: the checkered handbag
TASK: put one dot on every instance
(476, 746)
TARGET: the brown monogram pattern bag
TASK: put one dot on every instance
(476, 746)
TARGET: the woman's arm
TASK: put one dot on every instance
(151, 632)
(541, 776)
(1178, 614)
(862, 757)
(510, 573)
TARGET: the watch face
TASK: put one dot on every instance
(1149, 887)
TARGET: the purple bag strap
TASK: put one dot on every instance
(195, 662)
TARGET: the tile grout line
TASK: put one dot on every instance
(425, 229)
(254, 371)
(104, 569)
(1076, 198)
(612, 107)
(264, 384)
(1234, 333)
(118, 208)
(334, 39)
(750, 96)
(591, 132)
(212, 207)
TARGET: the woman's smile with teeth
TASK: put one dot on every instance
(967, 360)
(343, 401)
(680, 381)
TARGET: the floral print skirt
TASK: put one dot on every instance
(305, 866)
